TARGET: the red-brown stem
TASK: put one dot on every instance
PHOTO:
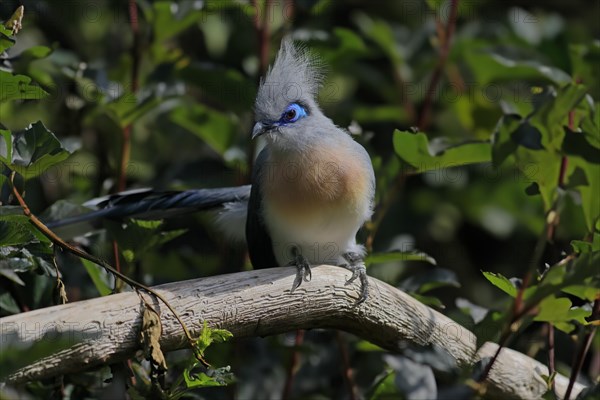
(501, 343)
(264, 38)
(126, 134)
(422, 122)
(294, 365)
(262, 28)
(135, 62)
(347, 370)
(548, 236)
(585, 346)
(551, 365)
(117, 263)
(446, 42)
(518, 305)
(57, 241)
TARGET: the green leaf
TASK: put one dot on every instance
(536, 142)
(430, 301)
(552, 115)
(216, 377)
(396, 255)
(414, 150)
(380, 32)
(366, 346)
(581, 270)
(532, 68)
(32, 151)
(384, 387)
(14, 233)
(228, 87)
(5, 31)
(98, 276)
(213, 377)
(581, 246)
(167, 23)
(6, 40)
(501, 282)
(559, 312)
(209, 336)
(429, 279)
(584, 292)
(136, 237)
(381, 113)
(350, 44)
(128, 110)
(490, 327)
(583, 173)
(19, 87)
(35, 52)
(216, 129)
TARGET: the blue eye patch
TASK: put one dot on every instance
(292, 113)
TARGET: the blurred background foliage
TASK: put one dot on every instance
(183, 88)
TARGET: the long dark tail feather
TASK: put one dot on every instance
(157, 205)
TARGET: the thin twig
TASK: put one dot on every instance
(446, 41)
(551, 356)
(80, 253)
(422, 122)
(135, 56)
(585, 346)
(547, 236)
(262, 28)
(294, 365)
(126, 133)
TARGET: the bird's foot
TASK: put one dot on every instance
(303, 271)
(357, 266)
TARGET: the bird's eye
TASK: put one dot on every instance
(290, 115)
(293, 113)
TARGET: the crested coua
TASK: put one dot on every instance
(312, 184)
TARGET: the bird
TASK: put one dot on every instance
(312, 185)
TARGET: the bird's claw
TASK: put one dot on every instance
(303, 272)
(357, 267)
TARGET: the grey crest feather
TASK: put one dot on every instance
(295, 76)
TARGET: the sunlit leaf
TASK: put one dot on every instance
(391, 256)
(559, 312)
(212, 377)
(501, 282)
(584, 292)
(384, 387)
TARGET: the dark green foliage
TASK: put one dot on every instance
(509, 159)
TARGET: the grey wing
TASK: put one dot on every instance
(260, 245)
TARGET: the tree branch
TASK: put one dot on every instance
(258, 303)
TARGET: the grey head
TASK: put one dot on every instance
(286, 110)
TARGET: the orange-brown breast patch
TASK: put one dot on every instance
(302, 185)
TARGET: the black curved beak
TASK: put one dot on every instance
(261, 128)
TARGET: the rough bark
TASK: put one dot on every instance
(258, 303)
